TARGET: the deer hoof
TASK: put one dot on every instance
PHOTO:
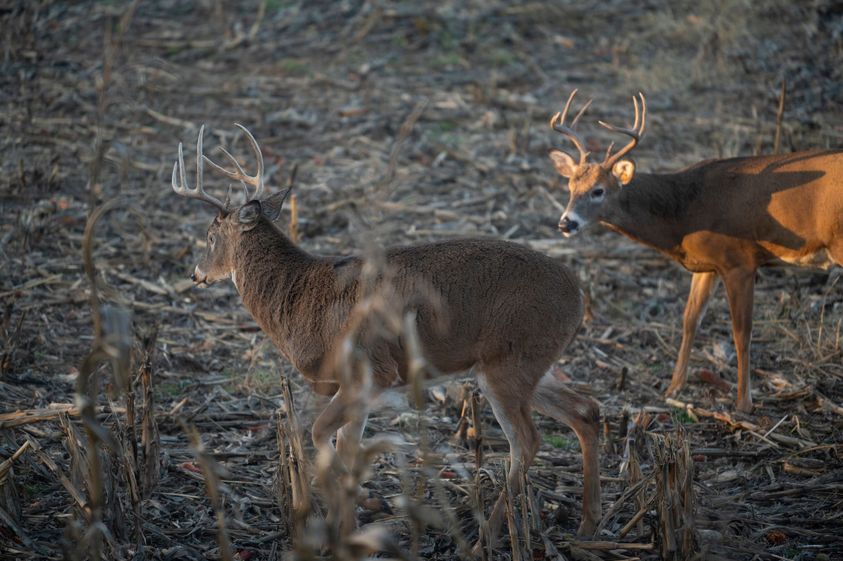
(587, 528)
(745, 406)
(672, 390)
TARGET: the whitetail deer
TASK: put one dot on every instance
(718, 218)
(502, 308)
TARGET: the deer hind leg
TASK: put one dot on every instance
(702, 285)
(556, 400)
(512, 411)
(740, 286)
(329, 422)
(346, 417)
(350, 435)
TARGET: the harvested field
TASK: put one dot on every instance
(408, 122)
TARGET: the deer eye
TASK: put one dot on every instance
(212, 239)
(597, 193)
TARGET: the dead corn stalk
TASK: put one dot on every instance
(293, 479)
(673, 469)
(661, 487)
(111, 346)
(213, 474)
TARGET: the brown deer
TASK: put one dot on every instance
(718, 219)
(503, 309)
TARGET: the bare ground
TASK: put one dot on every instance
(96, 97)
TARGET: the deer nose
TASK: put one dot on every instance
(197, 276)
(568, 225)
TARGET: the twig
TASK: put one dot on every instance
(6, 464)
(736, 424)
(826, 403)
(293, 228)
(608, 546)
(166, 119)
(766, 434)
(403, 133)
(779, 118)
(66, 483)
(636, 517)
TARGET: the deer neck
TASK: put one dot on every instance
(269, 273)
(295, 297)
(653, 209)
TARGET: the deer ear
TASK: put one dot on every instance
(272, 205)
(248, 214)
(624, 170)
(563, 163)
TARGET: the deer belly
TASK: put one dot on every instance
(820, 259)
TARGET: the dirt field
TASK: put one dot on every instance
(96, 97)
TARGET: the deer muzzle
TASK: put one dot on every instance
(199, 277)
(569, 224)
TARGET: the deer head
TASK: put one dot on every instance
(592, 185)
(231, 225)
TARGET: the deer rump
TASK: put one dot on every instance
(476, 303)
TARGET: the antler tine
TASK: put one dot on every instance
(179, 179)
(643, 114)
(580, 113)
(568, 104)
(557, 123)
(636, 132)
(609, 150)
(240, 175)
(259, 156)
(637, 116)
(200, 169)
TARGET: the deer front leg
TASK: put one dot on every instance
(740, 287)
(524, 442)
(513, 415)
(702, 285)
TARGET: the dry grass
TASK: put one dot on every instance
(98, 96)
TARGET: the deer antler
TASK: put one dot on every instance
(557, 123)
(240, 175)
(181, 188)
(636, 132)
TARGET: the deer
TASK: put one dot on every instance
(503, 311)
(719, 219)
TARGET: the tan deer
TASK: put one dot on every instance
(504, 310)
(718, 219)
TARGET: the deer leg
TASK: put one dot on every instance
(740, 286)
(329, 422)
(556, 400)
(512, 412)
(702, 285)
(349, 437)
(334, 419)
